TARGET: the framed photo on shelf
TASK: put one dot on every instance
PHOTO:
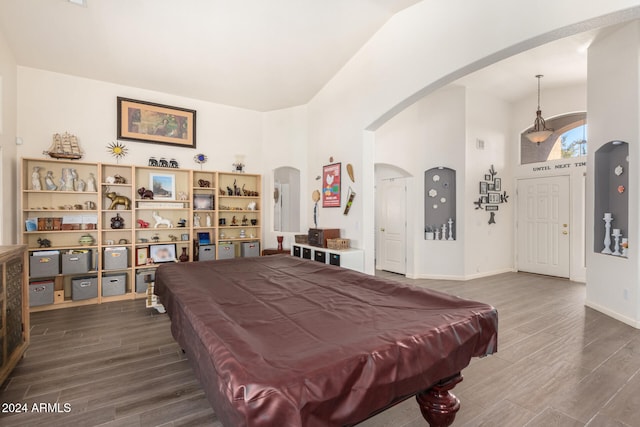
(163, 186)
(162, 253)
(142, 254)
(157, 123)
(331, 185)
(203, 202)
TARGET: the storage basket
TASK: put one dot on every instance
(338, 243)
(302, 238)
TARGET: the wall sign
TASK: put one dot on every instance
(331, 185)
(558, 166)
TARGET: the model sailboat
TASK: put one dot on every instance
(64, 146)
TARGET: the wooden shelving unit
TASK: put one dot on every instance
(65, 218)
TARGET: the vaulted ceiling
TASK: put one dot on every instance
(256, 54)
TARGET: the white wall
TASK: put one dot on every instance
(8, 113)
(408, 58)
(54, 103)
(488, 247)
(428, 134)
(285, 139)
(613, 283)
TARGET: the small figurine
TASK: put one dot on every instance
(173, 163)
(204, 183)
(182, 223)
(173, 238)
(163, 163)
(91, 183)
(196, 220)
(153, 161)
(236, 189)
(44, 243)
(244, 221)
(161, 221)
(182, 195)
(234, 221)
(117, 199)
(69, 179)
(155, 238)
(143, 224)
(49, 182)
(81, 186)
(208, 220)
(145, 194)
(119, 179)
(35, 179)
(117, 222)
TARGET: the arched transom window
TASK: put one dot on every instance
(569, 139)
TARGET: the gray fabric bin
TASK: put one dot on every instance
(114, 284)
(77, 263)
(116, 258)
(250, 249)
(40, 293)
(45, 265)
(226, 250)
(207, 253)
(84, 288)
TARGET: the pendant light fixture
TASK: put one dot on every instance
(539, 132)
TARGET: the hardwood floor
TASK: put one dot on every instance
(558, 363)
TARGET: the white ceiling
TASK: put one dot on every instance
(256, 54)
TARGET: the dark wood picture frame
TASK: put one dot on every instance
(156, 123)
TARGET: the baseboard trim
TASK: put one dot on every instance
(624, 319)
(462, 278)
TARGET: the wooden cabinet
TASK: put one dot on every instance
(104, 213)
(14, 315)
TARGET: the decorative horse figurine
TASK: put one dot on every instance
(161, 221)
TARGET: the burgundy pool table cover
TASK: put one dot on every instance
(281, 341)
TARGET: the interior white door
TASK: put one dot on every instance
(392, 224)
(543, 226)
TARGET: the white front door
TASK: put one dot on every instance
(543, 226)
(392, 225)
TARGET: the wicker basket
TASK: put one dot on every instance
(302, 238)
(338, 243)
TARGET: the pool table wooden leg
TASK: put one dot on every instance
(438, 406)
